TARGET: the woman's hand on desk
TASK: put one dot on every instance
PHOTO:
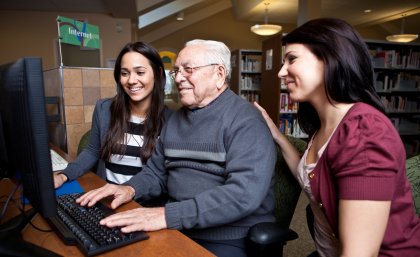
(59, 179)
(140, 219)
(121, 194)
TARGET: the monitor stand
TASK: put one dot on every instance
(12, 243)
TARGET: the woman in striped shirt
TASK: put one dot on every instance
(125, 128)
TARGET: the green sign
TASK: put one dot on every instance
(78, 33)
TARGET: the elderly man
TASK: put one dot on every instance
(215, 158)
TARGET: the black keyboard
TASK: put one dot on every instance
(80, 226)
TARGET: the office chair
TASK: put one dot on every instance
(84, 141)
(413, 175)
(267, 239)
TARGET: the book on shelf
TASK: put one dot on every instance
(286, 104)
(251, 63)
(400, 104)
(289, 125)
(403, 59)
(251, 96)
(248, 82)
(401, 81)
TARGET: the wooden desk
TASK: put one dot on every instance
(160, 243)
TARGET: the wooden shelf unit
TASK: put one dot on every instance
(246, 73)
(397, 81)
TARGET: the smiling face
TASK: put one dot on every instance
(303, 73)
(137, 79)
(202, 86)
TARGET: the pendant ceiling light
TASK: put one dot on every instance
(402, 38)
(266, 29)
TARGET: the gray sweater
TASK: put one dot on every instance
(216, 163)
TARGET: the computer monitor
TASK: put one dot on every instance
(25, 132)
(25, 152)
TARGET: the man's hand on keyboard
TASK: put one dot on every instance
(140, 219)
(59, 179)
(121, 194)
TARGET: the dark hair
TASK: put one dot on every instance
(120, 107)
(348, 70)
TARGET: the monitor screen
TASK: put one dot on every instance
(26, 152)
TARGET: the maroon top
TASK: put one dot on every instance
(365, 160)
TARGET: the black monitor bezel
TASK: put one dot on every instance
(25, 128)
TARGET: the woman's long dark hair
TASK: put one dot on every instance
(348, 70)
(120, 107)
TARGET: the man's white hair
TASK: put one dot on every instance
(217, 52)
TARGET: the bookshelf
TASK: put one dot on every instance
(246, 73)
(288, 123)
(397, 81)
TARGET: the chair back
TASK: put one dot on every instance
(413, 175)
(84, 141)
(267, 239)
(286, 188)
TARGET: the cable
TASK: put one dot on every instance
(9, 198)
(23, 213)
(21, 208)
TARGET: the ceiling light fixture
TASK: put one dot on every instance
(266, 29)
(402, 38)
(180, 16)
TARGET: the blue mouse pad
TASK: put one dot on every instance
(67, 188)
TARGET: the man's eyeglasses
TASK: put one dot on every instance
(187, 71)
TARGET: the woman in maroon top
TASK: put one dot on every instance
(353, 170)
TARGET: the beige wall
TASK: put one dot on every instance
(78, 90)
(34, 34)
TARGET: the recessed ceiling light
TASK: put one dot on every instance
(367, 11)
(180, 16)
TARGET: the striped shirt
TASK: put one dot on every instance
(120, 168)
